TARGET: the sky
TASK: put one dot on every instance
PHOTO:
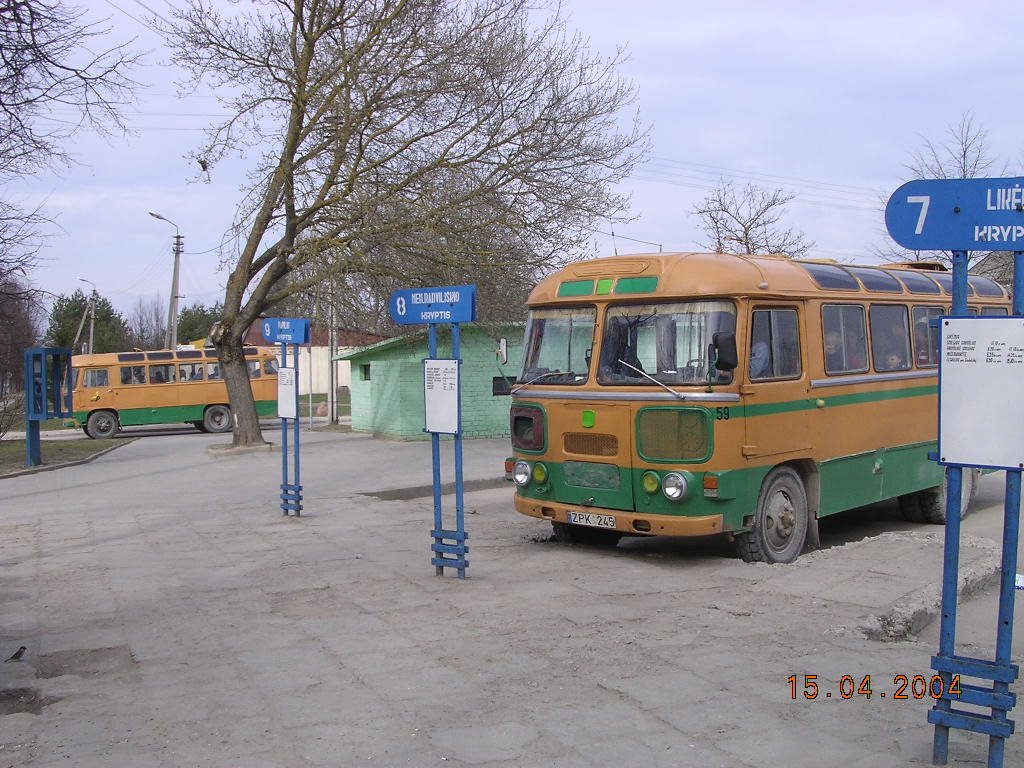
(826, 101)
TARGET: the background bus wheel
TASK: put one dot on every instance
(933, 500)
(910, 508)
(217, 418)
(101, 424)
(780, 522)
(581, 534)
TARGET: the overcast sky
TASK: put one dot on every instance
(823, 100)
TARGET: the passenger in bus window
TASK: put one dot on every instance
(833, 352)
(759, 360)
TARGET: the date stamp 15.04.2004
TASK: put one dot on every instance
(904, 688)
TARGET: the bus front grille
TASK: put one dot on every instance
(590, 444)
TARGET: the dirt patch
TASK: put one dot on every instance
(83, 662)
(15, 700)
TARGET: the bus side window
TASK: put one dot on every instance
(95, 377)
(161, 374)
(890, 337)
(845, 338)
(133, 374)
(254, 368)
(926, 338)
(270, 367)
(213, 371)
(774, 344)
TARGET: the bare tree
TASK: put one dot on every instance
(20, 323)
(397, 139)
(746, 220)
(47, 61)
(963, 153)
(147, 323)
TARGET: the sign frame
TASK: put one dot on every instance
(285, 330)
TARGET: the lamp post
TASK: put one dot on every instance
(90, 310)
(171, 339)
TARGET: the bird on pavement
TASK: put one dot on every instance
(16, 656)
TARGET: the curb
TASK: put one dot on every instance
(907, 616)
(63, 464)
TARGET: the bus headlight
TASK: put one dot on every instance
(650, 482)
(674, 486)
(521, 473)
(540, 473)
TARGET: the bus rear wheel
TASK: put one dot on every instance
(932, 501)
(217, 418)
(101, 424)
(780, 521)
(566, 533)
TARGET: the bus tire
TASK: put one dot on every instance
(567, 533)
(780, 520)
(910, 508)
(102, 424)
(217, 418)
(933, 500)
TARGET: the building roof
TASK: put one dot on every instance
(418, 337)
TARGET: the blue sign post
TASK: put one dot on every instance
(285, 331)
(961, 215)
(442, 402)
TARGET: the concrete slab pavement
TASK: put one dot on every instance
(175, 618)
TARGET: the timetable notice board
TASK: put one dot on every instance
(441, 395)
(981, 383)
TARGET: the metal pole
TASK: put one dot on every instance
(92, 318)
(460, 520)
(951, 557)
(173, 319)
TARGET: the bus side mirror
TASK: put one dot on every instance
(724, 343)
(502, 351)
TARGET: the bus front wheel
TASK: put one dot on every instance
(780, 521)
(101, 424)
(217, 418)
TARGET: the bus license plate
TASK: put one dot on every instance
(587, 518)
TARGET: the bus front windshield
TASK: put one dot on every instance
(557, 345)
(669, 343)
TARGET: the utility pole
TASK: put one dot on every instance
(171, 338)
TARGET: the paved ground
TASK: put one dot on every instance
(173, 617)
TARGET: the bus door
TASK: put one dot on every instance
(596, 448)
(775, 385)
(94, 390)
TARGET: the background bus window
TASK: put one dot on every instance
(95, 377)
(926, 338)
(270, 367)
(254, 368)
(845, 338)
(190, 371)
(161, 374)
(774, 344)
(133, 374)
(213, 371)
(890, 337)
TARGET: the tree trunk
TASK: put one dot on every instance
(243, 406)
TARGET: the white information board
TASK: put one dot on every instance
(287, 402)
(981, 383)
(441, 395)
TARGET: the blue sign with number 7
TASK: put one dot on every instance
(958, 215)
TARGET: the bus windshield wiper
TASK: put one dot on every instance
(661, 384)
(544, 376)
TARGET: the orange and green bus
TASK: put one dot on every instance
(122, 389)
(692, 394)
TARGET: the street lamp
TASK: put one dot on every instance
(90, 309)
(171, 340)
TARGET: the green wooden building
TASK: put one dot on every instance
(387, 381)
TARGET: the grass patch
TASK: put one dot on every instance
(12, 452)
